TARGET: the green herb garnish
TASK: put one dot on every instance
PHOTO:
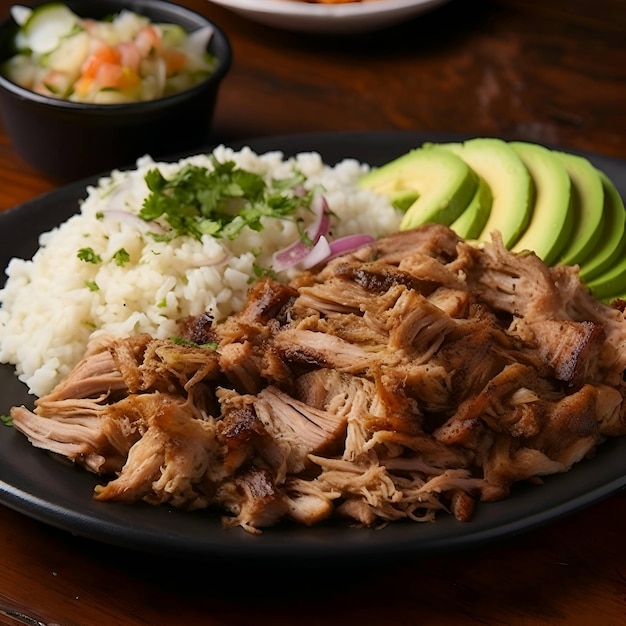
(89, 256)
(218, 202)
(92, 285)
(263, 272)
(121, 257)
(7, 420)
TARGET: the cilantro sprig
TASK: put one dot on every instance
(220, 201)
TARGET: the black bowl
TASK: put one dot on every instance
(70, 140)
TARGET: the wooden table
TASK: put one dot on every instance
(542, 70)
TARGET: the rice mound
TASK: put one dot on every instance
(53, 304)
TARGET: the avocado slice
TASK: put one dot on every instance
(471, 222)
(511, 185)
(596, 271)
(587, 205)
(431, 185)
(612, 282)
(551, 222)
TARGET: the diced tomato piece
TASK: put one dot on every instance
(109, 75)
(130, 56)
(115, 76)
(148, 39)
(107, 54)
(102, 54)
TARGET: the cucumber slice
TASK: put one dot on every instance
(20, 70)
(70, 54)
(20, 14)
(174, 36)
(125, 25)
(47, 25)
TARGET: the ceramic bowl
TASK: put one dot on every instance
(70, 140)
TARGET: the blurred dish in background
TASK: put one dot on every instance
(123, 58)
(329, 18)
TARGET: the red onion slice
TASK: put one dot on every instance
(307, 256)
(349, 243)
(297, 251)
(317, 254)
(290, 256)
(320, 225)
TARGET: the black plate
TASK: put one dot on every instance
(43, 487)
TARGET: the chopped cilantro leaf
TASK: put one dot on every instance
(121, 257)
(262, 272)
(7, 420)
(220, 201)
(89, 256)
(92, 285)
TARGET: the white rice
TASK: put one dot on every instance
(48, 313)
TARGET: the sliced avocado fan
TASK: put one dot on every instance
(556, 204)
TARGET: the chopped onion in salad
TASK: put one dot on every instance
(125, 59)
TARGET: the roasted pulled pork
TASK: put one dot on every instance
(418, 374)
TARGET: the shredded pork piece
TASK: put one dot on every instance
(415, 376)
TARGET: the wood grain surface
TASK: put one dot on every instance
(549, 71)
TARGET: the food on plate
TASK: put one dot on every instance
(126, 58)
(556, 204)
(266, 337)
(109, 270)
(415, 375)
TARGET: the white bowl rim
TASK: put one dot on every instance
(348, 10)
